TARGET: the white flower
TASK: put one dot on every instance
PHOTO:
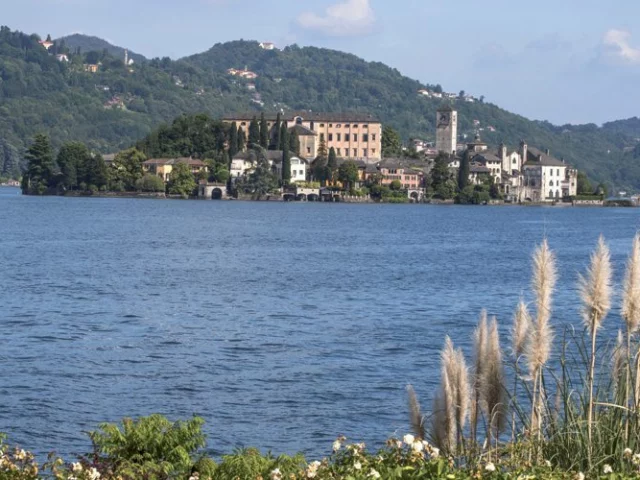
(490, 467)
(374, 473)
(409, 439)
(417, 447)
(312, 469)
(579, 476)
(337, 445)
(357, 466)
(607, 469)
(398, 443)
(435, 452)
(94, 474)
(547, 463)
(628, 453)
(636, 458)
(20, 455)
(76, 467)
(275, 474)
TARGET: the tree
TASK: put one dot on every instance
(233, 140)
(262, 181)
(150, 183)
(284, 133)
(322, 149)
(319, 170)
(126, 169)
(441, 181)
(181, 180)
(584, 185)
(277, 143)
(242, 140)
(286, 158)
(95, 173)
(71, 159)
(40, 166)
(332, 165)
(395, 185)
(254, 133)
(348, 174)
(294, 143)
(461, 94)
(391, 142)
(463, 172)
(264, 132)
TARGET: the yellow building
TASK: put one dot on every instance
(353, 135)
(162, 167)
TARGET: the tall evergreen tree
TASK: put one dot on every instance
(254, 133)
(71, 159)
(294, 143)
(463, 172)
(41, 166)
(95, 171)
(284, 133)
(322, 149)
(286, 158)
(332, 165)
(233, 140)
(242, 139)
(264, 132)
(277, 144)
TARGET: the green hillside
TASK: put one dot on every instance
(88, 43)
(38, 93)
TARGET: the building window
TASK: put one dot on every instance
(364, 153)
(365, 137)
(373, 150)
(331, 137)
(339, 137)
(558, 173)
(331, 125)
(309, 150)
(322, 125)
(339, 151)
(338, 125)
(355, 152)
(355, 137)
(243, 124)
(373, 137)
(346, 137)
(355, 126)
(298, 120)
(551, 183)
(322, 137)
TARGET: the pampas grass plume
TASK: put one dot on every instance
(631, 289)
(595, 288)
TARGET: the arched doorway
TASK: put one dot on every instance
(301, 198)
(415, 197)
(216, 194)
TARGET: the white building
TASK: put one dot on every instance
(267, 46)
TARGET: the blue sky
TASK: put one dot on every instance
(566, 61)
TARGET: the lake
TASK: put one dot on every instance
(282, 325)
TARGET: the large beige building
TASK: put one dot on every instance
(353, 135)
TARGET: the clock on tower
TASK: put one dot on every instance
(444, 118)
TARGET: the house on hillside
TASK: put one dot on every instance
(162, 167)
(61, 57)
(46, 44)
(267, 46)
(91, 67)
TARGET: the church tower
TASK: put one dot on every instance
(446, 129)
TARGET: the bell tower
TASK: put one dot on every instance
(446, 129)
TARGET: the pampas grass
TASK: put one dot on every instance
(595, 291)
(540, 334)
(415, 414)
(492, 384)
(519, 336)
(480, 345)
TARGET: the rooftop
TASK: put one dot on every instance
(346, 117)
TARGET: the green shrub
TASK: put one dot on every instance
(150, 183)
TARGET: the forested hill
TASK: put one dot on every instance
(88, 43)
(117, 106)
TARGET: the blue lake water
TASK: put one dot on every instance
(283, 325)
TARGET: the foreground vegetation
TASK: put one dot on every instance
(572, 412)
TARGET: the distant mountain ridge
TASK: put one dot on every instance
(115, 107)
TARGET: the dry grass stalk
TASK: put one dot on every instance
(595, 290)
(619, 360)
(631, 314)
(415, 414)
(540, 334)
(492, 384)
(463, 393)
(520, 330)
(480, 345)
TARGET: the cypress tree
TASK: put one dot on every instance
(276, 131)
(284, 133)
(254, 133)
(286, 158)
(463, 172)
(242, 140)
(264, 132)
(233, 140)
(332, 164)
(294, 143)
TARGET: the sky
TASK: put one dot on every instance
(565, 61)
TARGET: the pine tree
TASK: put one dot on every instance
(294, 143)
(95, 171)
(463, 172)
(40, 169)
(264, 132)
(242, 140)
(254, 133)
(233, 140)
(286, 158)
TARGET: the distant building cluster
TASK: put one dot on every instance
(446, 95)
(245, 73)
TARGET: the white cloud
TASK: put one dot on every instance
(347, 18)
(617, 46)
